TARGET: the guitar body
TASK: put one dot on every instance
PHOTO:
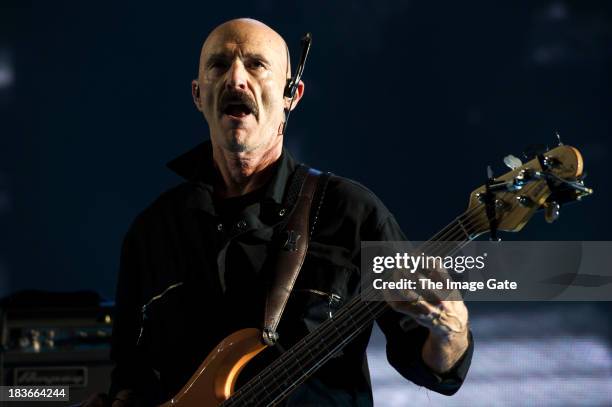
(214, 380)
(504, 203)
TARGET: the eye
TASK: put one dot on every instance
(256, 64)
(218, 64)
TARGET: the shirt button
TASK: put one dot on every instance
(241, 224)
(220, 227)
(282, 212)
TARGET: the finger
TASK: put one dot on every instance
(418, 290)
(436, 319)
(427, 313)
(419, 308)
(446, 323)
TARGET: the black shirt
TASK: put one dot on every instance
(198, 266)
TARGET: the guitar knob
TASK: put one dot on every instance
(550, 162)
(512, 162)
(500, 204)
(552, 210)
(524, 201)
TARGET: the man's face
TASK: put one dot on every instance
(242, 75)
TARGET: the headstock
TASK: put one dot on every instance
(507, 202)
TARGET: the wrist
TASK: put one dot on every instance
(442, 352)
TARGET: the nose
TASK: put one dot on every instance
(237, 76)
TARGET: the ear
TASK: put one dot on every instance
(195, 94)
(299, 92)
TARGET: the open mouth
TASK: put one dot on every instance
(238, 110)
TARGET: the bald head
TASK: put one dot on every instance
(241, 30)
(244, 67)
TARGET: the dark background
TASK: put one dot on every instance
(413, 99)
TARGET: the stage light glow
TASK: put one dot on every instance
(7, 72)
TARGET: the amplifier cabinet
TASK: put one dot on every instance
(57, 347)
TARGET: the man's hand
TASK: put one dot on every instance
(447, 321)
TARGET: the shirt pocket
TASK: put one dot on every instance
(321, 289)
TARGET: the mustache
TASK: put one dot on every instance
(233, 97)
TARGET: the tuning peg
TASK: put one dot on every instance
(512, 162)
(490, 173)
(552, 211)
(533, 150)
(559, 142)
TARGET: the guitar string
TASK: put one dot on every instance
(280, 361)
(358, 324)
(366, 312)
(469, 238)
(463, 229)
(241, 393)
(374, 311)
(324, 337)
(240, 397)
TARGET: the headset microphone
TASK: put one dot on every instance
(292, 83)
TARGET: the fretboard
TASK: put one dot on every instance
(298, 363)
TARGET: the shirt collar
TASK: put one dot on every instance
(197, 166)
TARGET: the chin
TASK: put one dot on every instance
(237, 147)
(239, 143)
(243, 141)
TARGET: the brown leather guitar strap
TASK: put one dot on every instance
(294, 238)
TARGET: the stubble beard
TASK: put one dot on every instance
(240, 144)
(248, 143)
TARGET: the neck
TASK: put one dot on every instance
(244, 172)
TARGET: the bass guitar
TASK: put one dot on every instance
(504, 203)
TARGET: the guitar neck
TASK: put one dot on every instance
(298, 363)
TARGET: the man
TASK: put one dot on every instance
(192, 263)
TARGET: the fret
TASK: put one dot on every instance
(458, 225)
(349, 317)
(313, 346)
(321, 346)
(299, 362)
(284, 357)
(463, 228)
(263, 385)
(303, 359)
(368, 310)
(318, 355)
(287, 375)
(309, 348)
(336, 331)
